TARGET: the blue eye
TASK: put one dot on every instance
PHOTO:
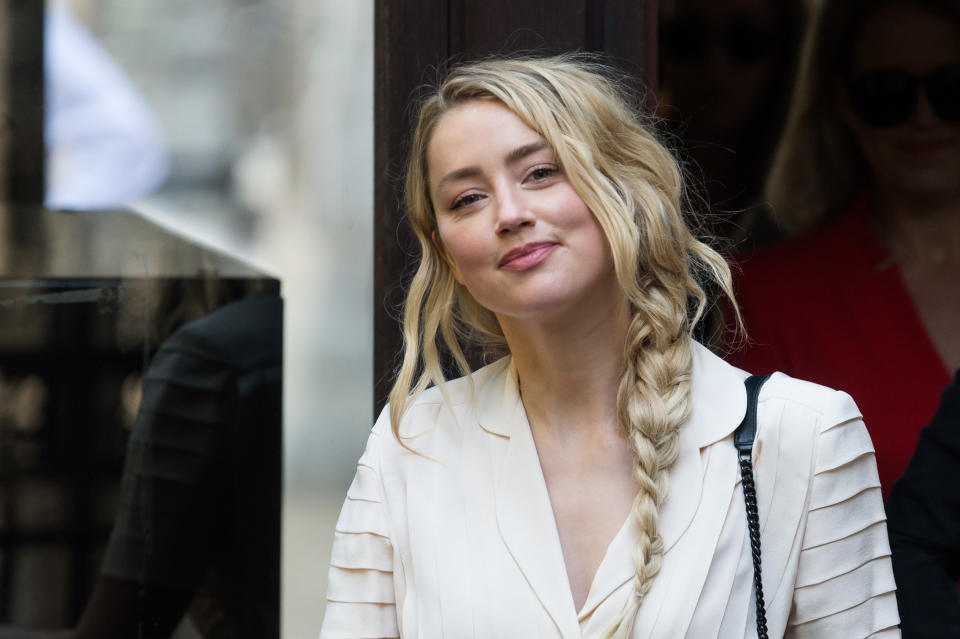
(542, 173)
(466, 200)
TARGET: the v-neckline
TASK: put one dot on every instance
(593, 598)
(883, 265)
(524, 514)
(621, 538)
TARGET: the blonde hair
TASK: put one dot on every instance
(818, 167)
(634, 188)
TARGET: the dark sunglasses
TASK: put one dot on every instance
(888, 97)
(742, 40)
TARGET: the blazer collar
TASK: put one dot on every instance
(718, 398)
(718, 401)
(524, 513)
(498, 398)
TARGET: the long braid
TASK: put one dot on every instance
(653, 401)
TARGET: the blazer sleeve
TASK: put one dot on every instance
(361, 599)
(844, 586)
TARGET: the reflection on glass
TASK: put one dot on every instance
(127, 352)
(726, 69)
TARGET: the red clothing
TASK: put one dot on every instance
(829, 307)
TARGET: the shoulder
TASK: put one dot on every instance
(801, 298)
(830, 407)
(811, 424)
(243, 335)
(837, 236)
(448, 407)
(806, 265)
(816, 428)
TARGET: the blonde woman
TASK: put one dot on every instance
(585, 483)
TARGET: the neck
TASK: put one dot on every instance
(570, 370)
(920, 230)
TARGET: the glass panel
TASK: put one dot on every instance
(251, 154)
(140, 434)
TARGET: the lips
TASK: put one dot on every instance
(526, 256)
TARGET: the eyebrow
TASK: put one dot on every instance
(527, 149)
(512, 157)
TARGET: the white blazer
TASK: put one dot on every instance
(460, 541)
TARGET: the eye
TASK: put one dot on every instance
(541, 174)
(465, 200)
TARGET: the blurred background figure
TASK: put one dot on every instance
(104, 145)
(727, 67)
(867, 297)
(197, 530)
(199, 516)
(923, 516)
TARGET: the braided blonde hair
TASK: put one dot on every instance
(633, 187)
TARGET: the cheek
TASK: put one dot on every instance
(591, 240)
(458, 251)
(585, 225)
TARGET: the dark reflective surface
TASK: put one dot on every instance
(140, 430)
(726, 72)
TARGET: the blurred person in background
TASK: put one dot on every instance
(867, 296)
(104, 145)
(197, 530)
(727, 67)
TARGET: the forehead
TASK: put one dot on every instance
(475, 133)
(906, 37)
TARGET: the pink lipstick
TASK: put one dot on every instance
(526, 256)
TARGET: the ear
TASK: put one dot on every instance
(442, 250)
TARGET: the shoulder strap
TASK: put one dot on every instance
(743, 440)
(747, 430)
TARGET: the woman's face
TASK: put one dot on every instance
(719, 57)
(920, 156)
(510, 225)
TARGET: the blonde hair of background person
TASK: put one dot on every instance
(634, 189)
(818, 166)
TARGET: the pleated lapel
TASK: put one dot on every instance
(701, 487)
(524, 514)
(687, 563)
(718, 403)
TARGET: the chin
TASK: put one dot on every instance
(932, 184)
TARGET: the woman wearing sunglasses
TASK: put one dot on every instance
(867, 298)
(586, 484)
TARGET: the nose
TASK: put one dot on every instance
(513, 212)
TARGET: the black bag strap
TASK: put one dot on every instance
(743, 440)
